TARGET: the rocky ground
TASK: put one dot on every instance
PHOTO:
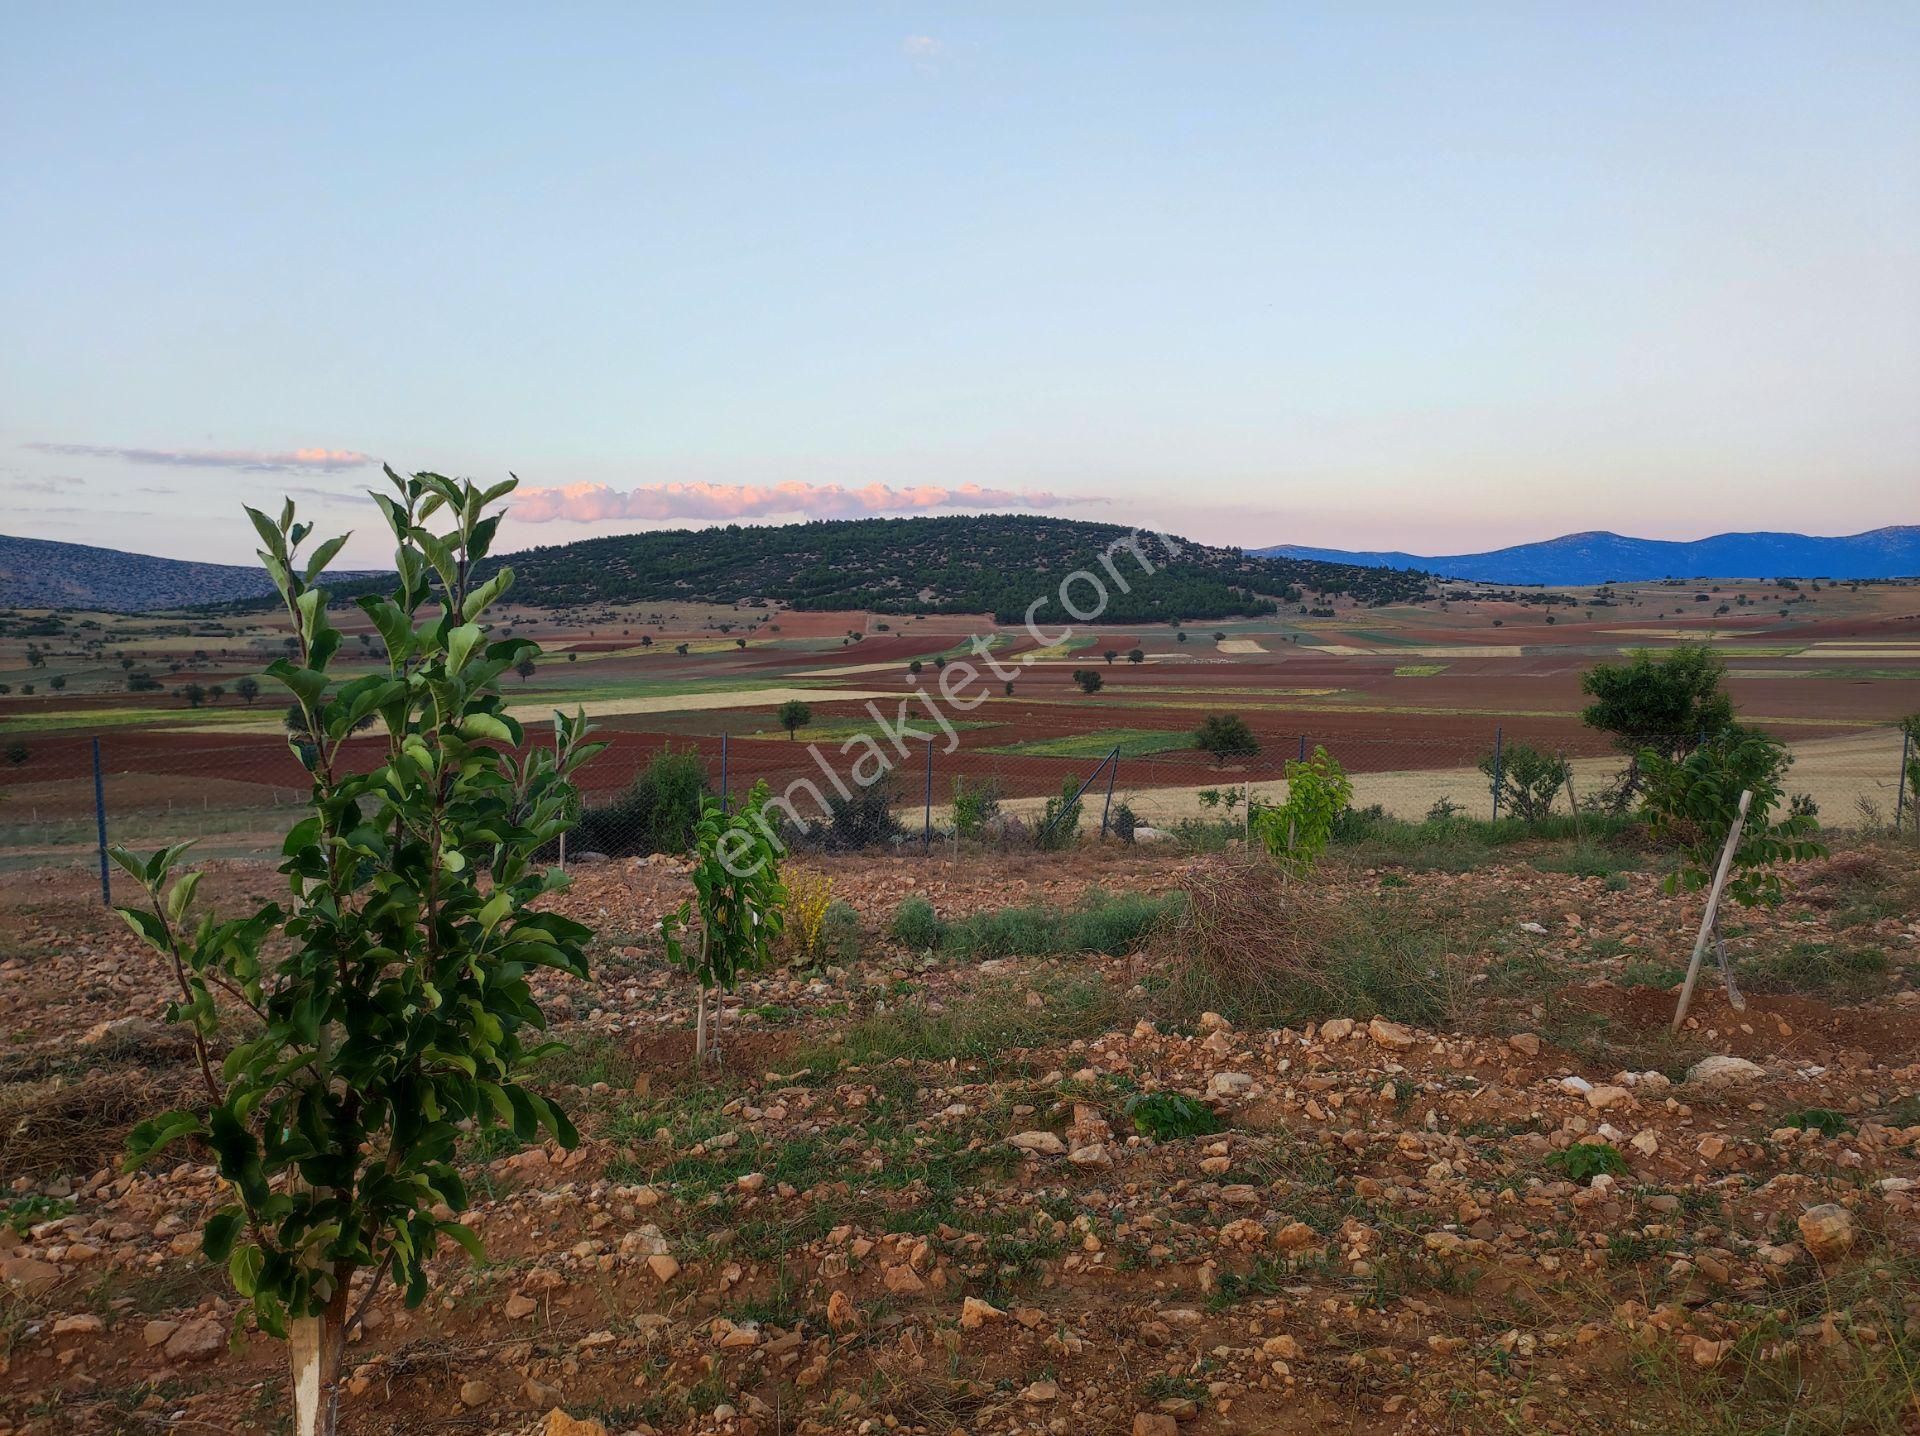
(951, 1195)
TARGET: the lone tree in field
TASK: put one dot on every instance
(1110, 655)
(1667, 703)
(1089, 679)
(1225, 735)
(248, 688)
(793, 715)
(525, 668)
(194, 694)
(1134, 655)
(379, 1021)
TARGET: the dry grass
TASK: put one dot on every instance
(1260, 948)
(76, 1127)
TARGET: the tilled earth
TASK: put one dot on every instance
(920, 1195)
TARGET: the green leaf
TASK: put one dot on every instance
(216, 1239)
(460, 645)
(323, 555)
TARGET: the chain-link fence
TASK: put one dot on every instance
(61, 794)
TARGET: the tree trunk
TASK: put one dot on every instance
(316, 1345)
(700, 1029)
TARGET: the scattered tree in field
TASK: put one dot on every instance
(1525, 781)
(914, 668)
(215, 693)
(1008, 686)
(1134, 655)
(1666, 703)
(1219, 636)
(17, 753)
(524, 668)
(646, 640)
(681, 649)
(1181, 636)
(6, 688)
(739, 643)
(194, 694)
(57, 682)
(793, 715)
(1297, 831)
(1110, 655)
(1089, 679)
(27, 688)
(248, 689)
(740, 906)
(394, 1023)
(940, 662)
(1225, 735)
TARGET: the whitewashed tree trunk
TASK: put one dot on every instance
(316, 1345)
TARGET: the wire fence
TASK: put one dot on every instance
(64, 795)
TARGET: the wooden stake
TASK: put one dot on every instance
(1713, 909)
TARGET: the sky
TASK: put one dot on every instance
(1435, 278)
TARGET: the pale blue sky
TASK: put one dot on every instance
(1388, 276)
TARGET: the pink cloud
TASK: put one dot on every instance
(594, 503)
(253, 460)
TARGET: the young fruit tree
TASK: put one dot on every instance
(740, 903)
(341, 1074)
(1717, 805)
(1297, 831)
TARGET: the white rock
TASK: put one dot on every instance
(1715, 1073)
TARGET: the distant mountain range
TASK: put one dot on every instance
(1591, 558)
(40, 573)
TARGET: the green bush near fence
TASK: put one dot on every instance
(656, 812)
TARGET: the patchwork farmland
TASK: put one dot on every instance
(1409, 699)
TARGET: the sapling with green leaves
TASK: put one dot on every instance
(739, 904)
(340, 1075)
(1694, 801)
(1298, 831)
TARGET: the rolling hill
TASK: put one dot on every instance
(1589, 558)
(993, 563)
(41, 573)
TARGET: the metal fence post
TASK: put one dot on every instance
(100, 822)
(1303, 747)
(1498, 758)
(1900, 786)
(1107, 807)
(926, 831)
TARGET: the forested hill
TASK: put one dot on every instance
(997, 563)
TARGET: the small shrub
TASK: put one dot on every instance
(1059, 825)
(1124, 822)
(840, 934)
(1584, 1161)
(808, 897)
(23, 1214)
(655, 814)
(976, 803)
(1824, 1120)
(916, 925)
(1524, 781)
(1171, 1117)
